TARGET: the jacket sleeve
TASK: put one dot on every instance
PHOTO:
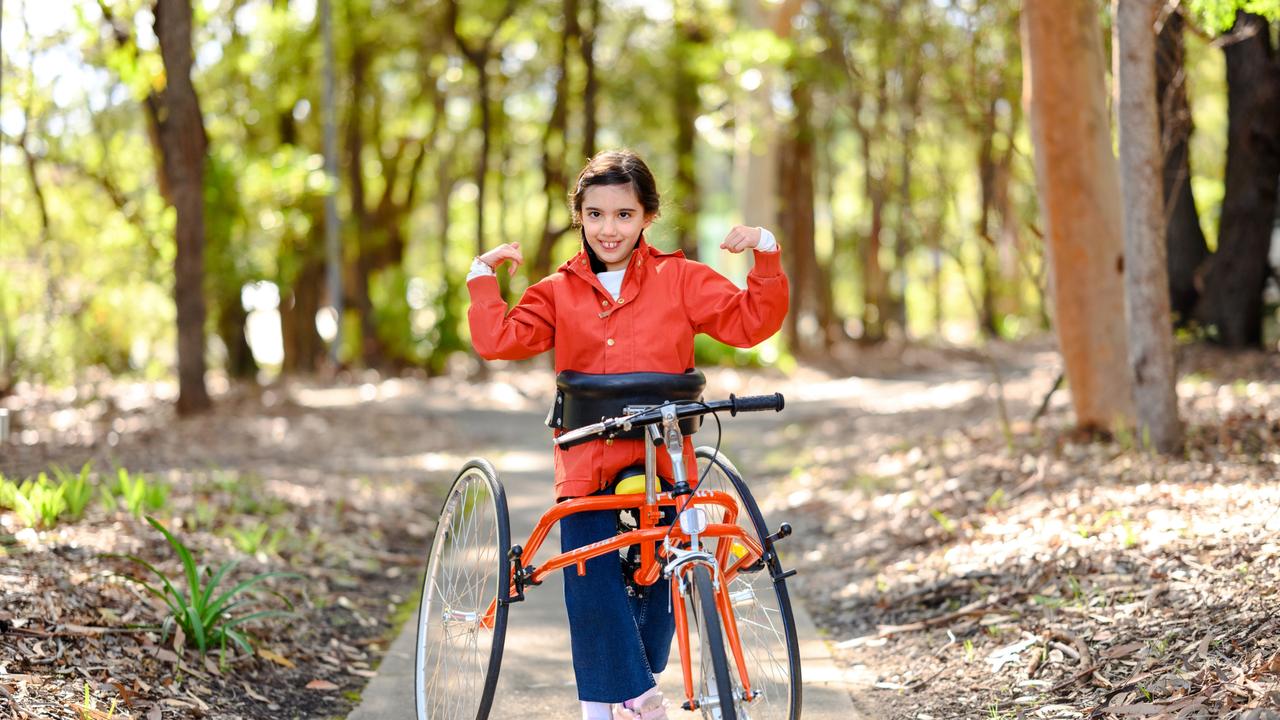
(526, 330)
(734, 316)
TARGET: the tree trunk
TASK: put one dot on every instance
(1186, 247)
(555, 182)
(182, 144)
(590, 86)
(1079, 193)
(795, 221)
(1145, 270)
(875, 292)
(1231, 302)
(689, 36)
(300, 301)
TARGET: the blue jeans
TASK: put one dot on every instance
(619, 639)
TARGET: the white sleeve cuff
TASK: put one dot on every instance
(480, 269)
(768, 243)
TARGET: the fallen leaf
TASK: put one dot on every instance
(275, 657)
(254, 694)
(1124, 650)
(321, 685)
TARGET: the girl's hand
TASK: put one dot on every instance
(741, 238)
(503, 253)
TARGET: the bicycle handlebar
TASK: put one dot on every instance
(684, 409)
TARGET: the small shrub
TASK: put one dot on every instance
(258, 538)
(204, 612)
(77, 491)
(136, 493)
(38, 503)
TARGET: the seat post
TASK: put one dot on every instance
(653, 434)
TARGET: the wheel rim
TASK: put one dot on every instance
(457, 630)
(757, 606)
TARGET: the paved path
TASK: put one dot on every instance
(537, 677)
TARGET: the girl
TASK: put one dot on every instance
(620, 306)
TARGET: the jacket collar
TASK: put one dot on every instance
(643, 253)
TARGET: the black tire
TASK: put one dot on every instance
(711, 641)
(766, 623)
(457, 657)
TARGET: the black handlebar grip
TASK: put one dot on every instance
(752, 403)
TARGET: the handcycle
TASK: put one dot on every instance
(727, 583)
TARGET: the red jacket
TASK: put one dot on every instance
(665, 300)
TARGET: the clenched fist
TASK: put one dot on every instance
(503, 253)
(741, 238)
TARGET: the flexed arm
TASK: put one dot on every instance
(735, 316)
(498, 334)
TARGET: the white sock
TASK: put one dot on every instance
(596, 711)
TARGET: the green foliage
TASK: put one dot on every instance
(77, 491)
(42, 502)
(136, 492)
(1220, 15)
(209, 613)
(257, 538)
(37, 502)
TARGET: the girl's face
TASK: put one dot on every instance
(612, 219)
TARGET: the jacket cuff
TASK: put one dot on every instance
(484, 287)
(768, 264)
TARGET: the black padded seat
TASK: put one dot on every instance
(586, 398)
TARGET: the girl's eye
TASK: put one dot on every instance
(624, 215)
(593, 214)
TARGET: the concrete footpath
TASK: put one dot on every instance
(537, 677)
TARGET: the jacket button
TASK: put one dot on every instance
(622, 300)
(604, 303)
(609, 342)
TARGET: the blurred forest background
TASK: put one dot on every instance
(887, 143)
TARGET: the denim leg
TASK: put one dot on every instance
(657, 622)
(609, 657)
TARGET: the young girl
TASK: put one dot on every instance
(620, 306)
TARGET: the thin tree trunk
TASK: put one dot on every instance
(182, 141)
(1231, 304)
(479, 58)
(1186, 245)
(555, 183)
(795, 219)
(688, 37)
(590, 86)
(1145, 270)
(1079, 194)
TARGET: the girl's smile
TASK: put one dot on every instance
(612, 220)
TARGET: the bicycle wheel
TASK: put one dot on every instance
(716, 687)
(462, 618)
(761, 604)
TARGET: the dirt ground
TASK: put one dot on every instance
(963, 566)
(963, 572)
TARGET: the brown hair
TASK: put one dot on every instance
(616, 167)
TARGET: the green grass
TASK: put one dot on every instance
(209, 613)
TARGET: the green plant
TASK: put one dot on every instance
(38, 503)
(89, 708)
(136, 493)
(205, 611)
(258, 538)
(948, 525)
(76, 489)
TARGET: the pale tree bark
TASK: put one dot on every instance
(757, 135)
(1079, 195)
(182, 144)
(1146, 278)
